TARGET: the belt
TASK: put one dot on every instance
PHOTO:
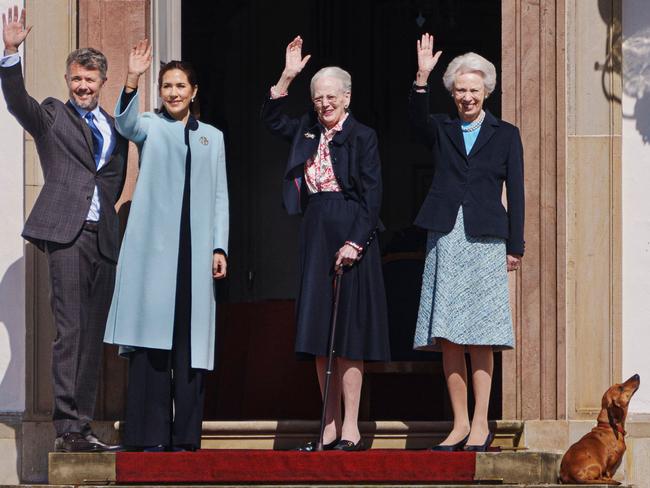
(91, 226)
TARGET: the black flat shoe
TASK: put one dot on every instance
(344, 445)
(451, 447)
(483, 447)
(311, 446)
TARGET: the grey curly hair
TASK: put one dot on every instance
(470, 63)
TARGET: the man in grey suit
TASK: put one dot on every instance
(73, 221)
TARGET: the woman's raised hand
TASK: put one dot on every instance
(140, 58)
(14, 30)
(294, 62)
(426, 59)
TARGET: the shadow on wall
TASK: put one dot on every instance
(12, 331)
(636, 76)
(630, 58)
(12, 334)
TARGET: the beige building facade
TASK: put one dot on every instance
(573, 79)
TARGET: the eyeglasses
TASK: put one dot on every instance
(330, 99)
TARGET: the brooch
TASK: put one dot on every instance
(309, 135)
(203, 140)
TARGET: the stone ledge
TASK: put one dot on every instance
(518, 467)
(81, 468)
(482, 485)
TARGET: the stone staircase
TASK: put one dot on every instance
(528, 454)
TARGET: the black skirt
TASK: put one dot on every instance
(362, 324)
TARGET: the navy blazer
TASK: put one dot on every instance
(355, 161)
(473, 180)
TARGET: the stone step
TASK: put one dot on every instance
(390, 434)
(526, 467)
(258, 485)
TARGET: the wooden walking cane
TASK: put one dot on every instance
(330, 356)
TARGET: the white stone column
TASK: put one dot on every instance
(12, 288)
(636, 198)
(12, 267)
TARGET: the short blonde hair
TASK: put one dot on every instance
(470, 63)
(334, 72)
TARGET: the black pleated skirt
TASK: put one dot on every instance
(362, 324)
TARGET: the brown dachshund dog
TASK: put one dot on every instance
(595, 458)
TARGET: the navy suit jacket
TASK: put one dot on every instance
(473, 180)
(355, 161)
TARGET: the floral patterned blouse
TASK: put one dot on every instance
(319, 174)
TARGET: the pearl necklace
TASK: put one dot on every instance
(474, 125)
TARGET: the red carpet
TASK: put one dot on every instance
(255, 466)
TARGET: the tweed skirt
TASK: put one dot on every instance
(362, 324)
(465, 297)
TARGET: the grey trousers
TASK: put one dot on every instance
(81, 286)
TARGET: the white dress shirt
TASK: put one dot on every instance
(107, 149)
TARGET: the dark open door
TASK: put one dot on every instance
(238, 50)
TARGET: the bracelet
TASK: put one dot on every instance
(131, 87)
(275, 95)
(418, 87)
(354, 245)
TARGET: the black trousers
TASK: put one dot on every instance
(165, 394)
(81, 284)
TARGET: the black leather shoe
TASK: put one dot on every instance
(451, 447)
(183, 448)
(344, 445)
(102, 446)
(74, 442)
(483, 447)
(311, 446)
(158, 448)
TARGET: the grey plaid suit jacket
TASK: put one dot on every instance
(65, 148)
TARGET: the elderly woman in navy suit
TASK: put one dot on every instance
(333, 177)
(175, 244)
(472, 239)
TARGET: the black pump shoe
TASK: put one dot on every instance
(344, 445)
(311, 446)
(483, 447)
(452, 447)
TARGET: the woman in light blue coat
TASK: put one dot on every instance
(163, 309)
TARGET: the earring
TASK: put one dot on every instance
(192, 100)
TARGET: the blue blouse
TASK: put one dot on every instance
(469, 137)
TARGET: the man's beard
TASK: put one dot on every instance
(89, 104)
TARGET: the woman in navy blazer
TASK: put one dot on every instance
(473, 240)
(333, 177)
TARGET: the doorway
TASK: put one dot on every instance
(238, 51)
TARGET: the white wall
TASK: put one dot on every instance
(12, 263)
(636, 198)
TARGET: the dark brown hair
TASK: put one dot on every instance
(186, 68)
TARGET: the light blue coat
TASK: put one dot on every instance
(142, 310)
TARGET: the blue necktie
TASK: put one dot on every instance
(98, 138)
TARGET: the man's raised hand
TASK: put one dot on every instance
(14, 30)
